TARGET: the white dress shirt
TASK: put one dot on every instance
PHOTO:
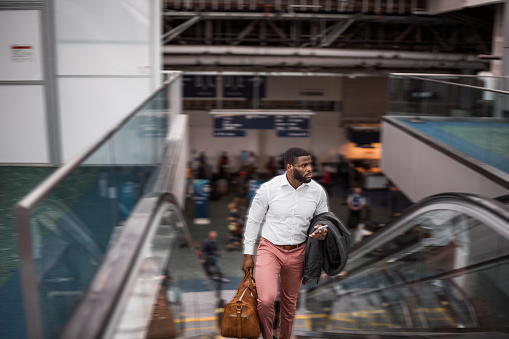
(287, 212)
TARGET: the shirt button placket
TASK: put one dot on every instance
(294, 207)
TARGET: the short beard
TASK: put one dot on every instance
(297, 176)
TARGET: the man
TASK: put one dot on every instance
(210, 251)
(287, 203)
(355, 202)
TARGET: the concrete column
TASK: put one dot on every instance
(498, 39)
(505, 51)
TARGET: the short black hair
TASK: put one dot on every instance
(293, 153)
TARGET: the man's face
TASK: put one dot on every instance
(302, 169)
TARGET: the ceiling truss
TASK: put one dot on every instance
(396, 25)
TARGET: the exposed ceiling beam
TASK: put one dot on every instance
(304, 16)
(245, 32)
(438, 38)
(172, 34)
(403, 34)
(279, 32)
(338, 29)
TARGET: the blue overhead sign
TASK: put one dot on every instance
(277, 122)
(199, 86)
(291, 122)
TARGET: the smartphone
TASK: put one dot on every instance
(320, 228)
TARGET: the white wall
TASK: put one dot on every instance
(90, 107)
(420, 170)
(23, 133)
(107, 61)
(23, 129)
(104, 65)
(296, 87)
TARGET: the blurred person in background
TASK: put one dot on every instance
(355, 202)
(223, 171)
(210, 257)
(270, 167)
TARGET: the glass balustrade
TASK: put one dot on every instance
(71, 220)
(466, 113)
(442, 269)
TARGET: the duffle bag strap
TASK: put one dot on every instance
(239, 289)
(252, 286)
(239, 321)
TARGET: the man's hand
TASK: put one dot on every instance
(320, 235)
(248, 264)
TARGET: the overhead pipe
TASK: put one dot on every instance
(295, 61)
(288, 56)
(314, 52)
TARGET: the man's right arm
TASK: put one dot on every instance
(254, 219)
(248, 264)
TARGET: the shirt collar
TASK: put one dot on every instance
(284, 181)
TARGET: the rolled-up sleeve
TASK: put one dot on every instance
(322, 205)
(255, 218)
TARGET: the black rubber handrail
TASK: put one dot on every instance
(491, 206)
(504, 199)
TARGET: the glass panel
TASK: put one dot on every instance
(170, 260)
(74, 226)
(441, 270)
(71, 231)
(471, 120)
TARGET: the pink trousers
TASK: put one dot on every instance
(276, 266)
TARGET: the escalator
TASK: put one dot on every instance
(153, 253)
(100, 237)
(440, 270)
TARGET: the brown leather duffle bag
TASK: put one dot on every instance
(240, 318)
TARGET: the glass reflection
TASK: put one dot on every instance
(78, 221)
(443, 270)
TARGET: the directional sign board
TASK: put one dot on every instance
(199, 86)
(277, 122)
(291, 122)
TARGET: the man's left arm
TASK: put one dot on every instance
(321, 207)
(322, 204)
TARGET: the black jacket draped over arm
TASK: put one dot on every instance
(329, 254)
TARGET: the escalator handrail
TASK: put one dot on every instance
(504, 199)
(48, 185)
(493, 207)
(466, 203)
(97, 308)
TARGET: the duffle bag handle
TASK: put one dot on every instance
(252, 284)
